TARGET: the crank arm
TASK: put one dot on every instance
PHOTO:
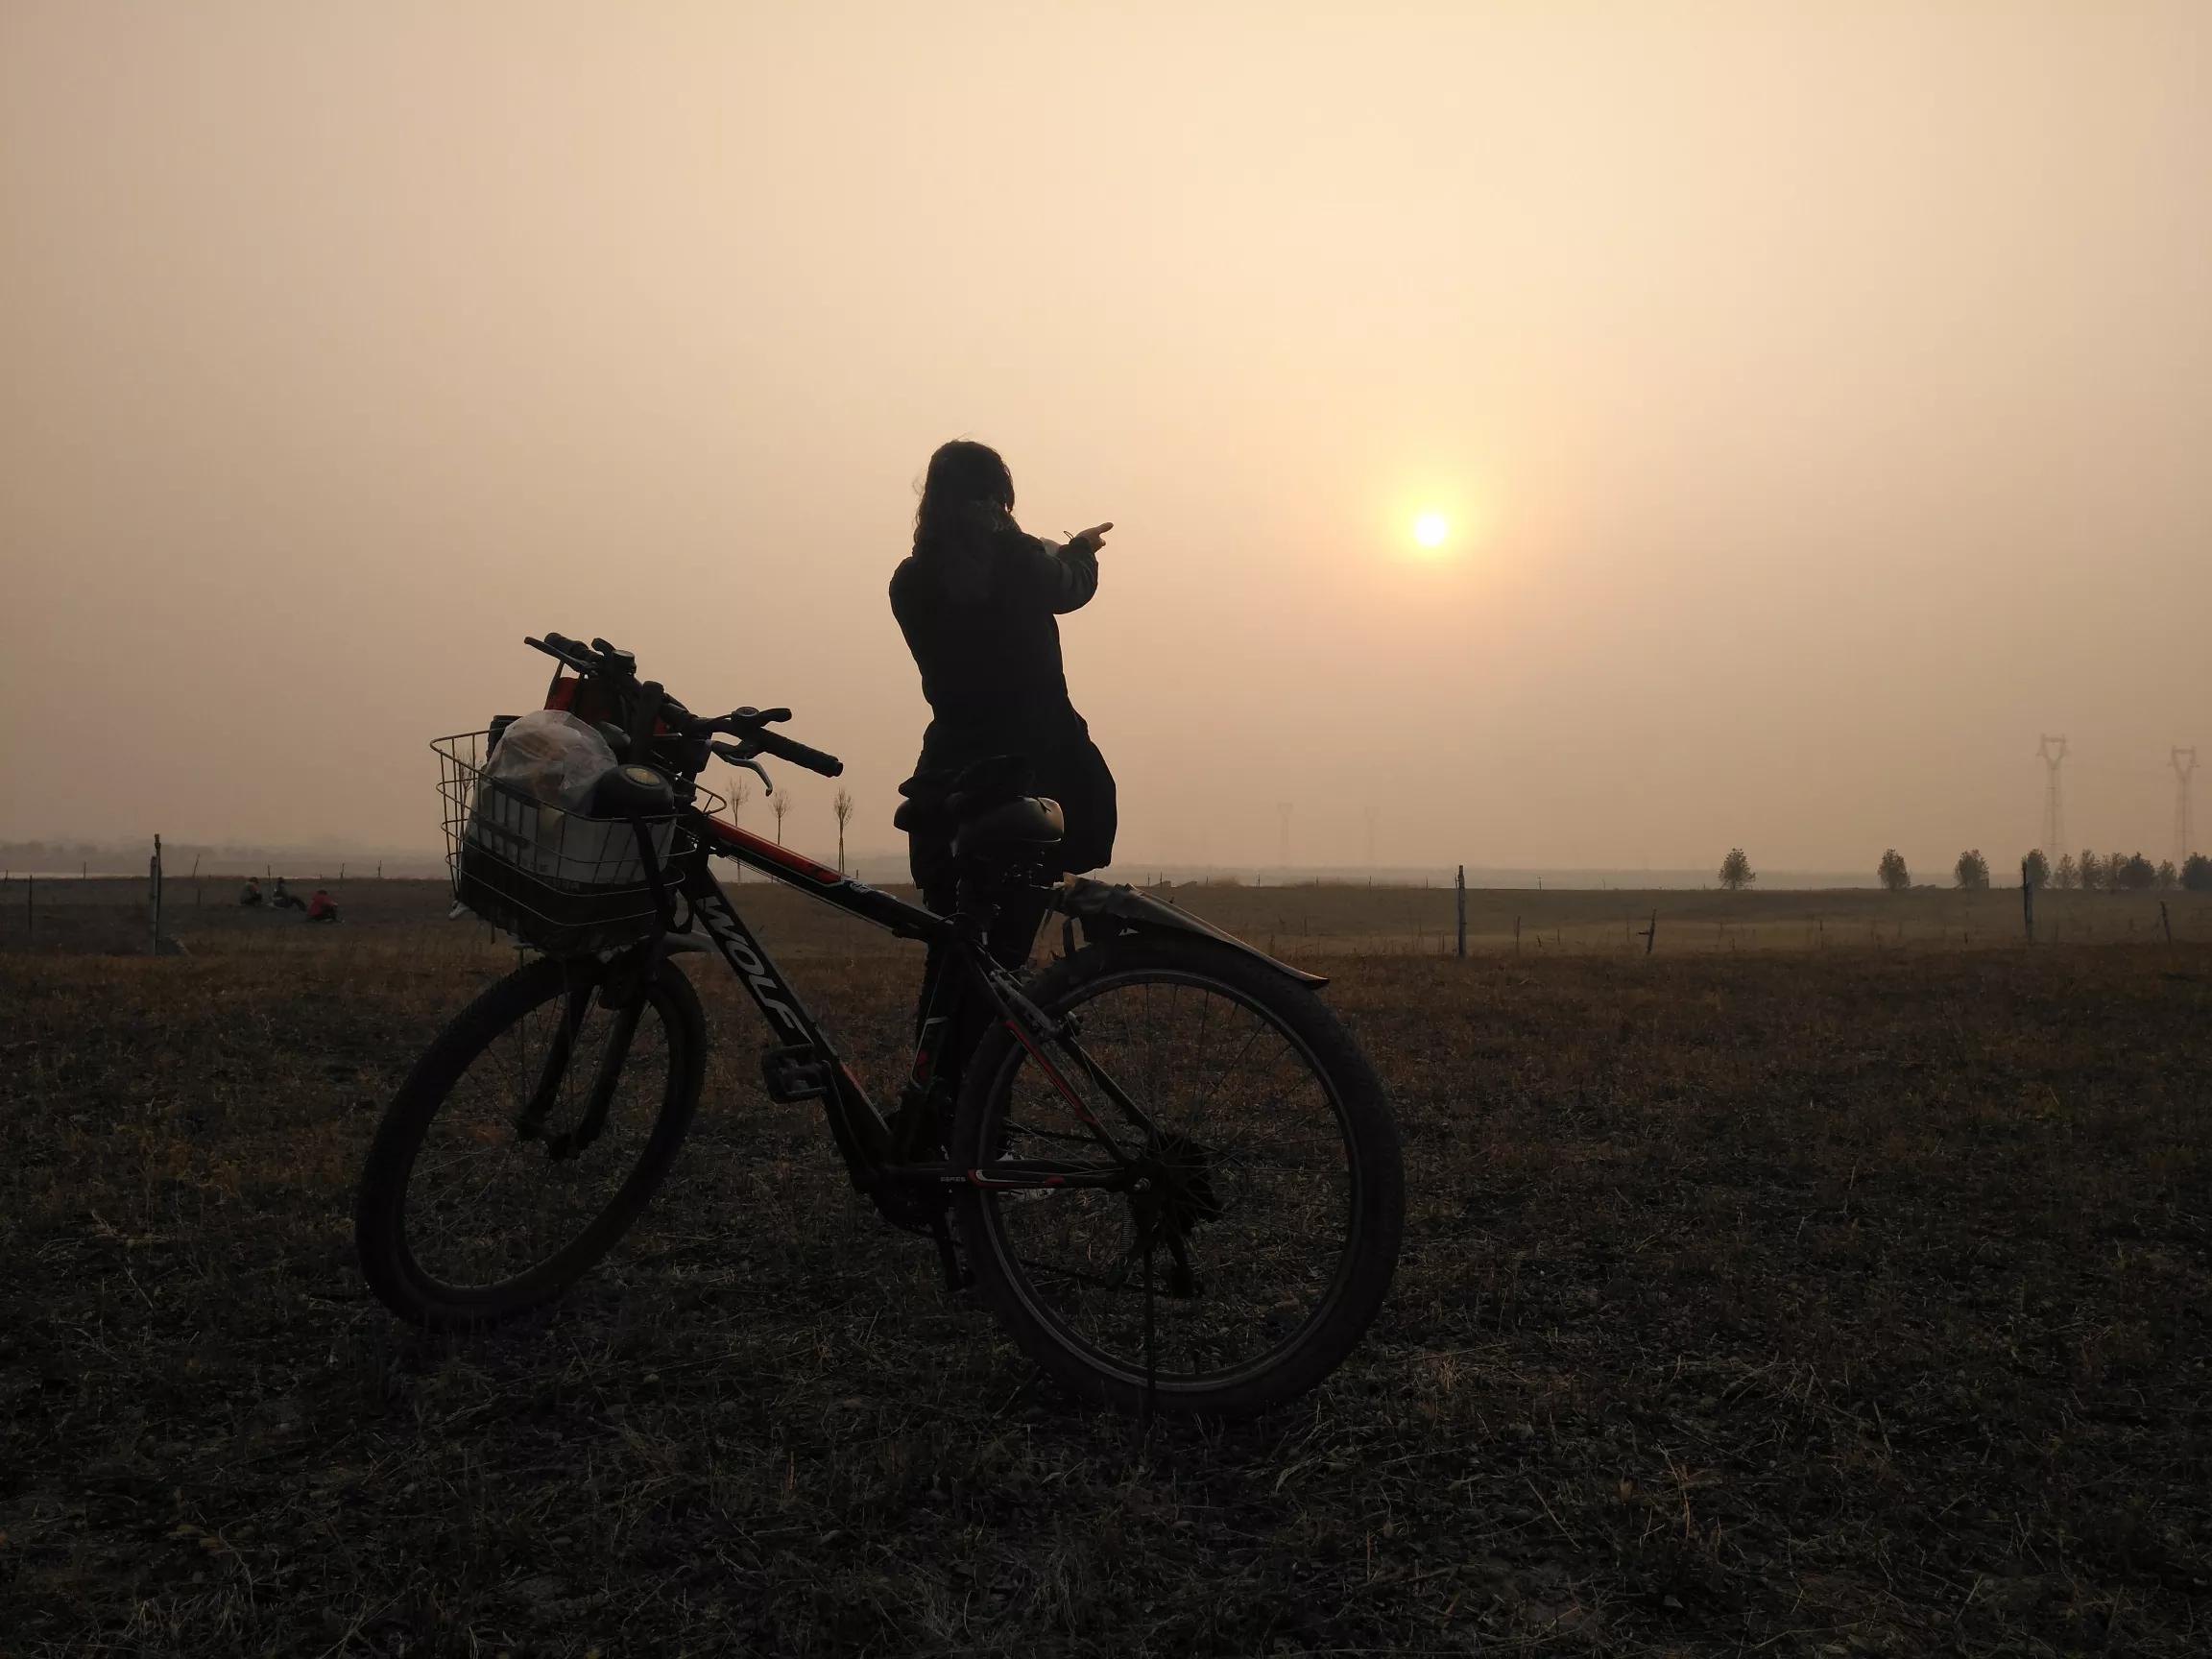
(1014, 1175)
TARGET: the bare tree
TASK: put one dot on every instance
(841, 804)
(782, 804)
(2035, 868)
(741, 792)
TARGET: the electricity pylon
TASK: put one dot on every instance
(2054, 751)
(2184, 762)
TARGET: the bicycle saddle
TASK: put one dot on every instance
(944, 799)
(1026, 822)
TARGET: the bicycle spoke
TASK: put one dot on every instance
(1239, 1249)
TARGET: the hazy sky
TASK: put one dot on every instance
(1821, 396)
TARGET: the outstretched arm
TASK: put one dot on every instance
(1063, 575)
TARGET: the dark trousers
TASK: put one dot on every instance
(1073, 773)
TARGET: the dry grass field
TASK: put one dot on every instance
(1795, 1289)
(109, 914)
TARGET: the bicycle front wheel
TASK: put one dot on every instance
(527, 1139)
(1233, 1192)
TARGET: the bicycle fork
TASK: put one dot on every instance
(553, 1072)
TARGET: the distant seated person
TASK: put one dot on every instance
(251, 894)
(284, 899)
(321, 907)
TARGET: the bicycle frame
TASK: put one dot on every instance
(862, 1135)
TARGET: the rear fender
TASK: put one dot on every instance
(1106, 911)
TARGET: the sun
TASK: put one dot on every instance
(1431, 529)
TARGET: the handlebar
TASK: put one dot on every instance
(749, 725)
(794, 752)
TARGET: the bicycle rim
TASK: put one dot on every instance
(498, 1192)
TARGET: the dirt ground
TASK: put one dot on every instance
(1830, 1301)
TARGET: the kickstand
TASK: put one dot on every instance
(957, 1277)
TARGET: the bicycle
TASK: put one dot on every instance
(1154, 1232)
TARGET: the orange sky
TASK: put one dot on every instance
(1821, 396)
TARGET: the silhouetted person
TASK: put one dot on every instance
(284, 899)
(250, 893)
(321, 907)
(979, 601)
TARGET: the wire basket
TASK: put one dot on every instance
(563, 882)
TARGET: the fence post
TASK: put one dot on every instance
(30, 905)
(1516, 935)
(2028, 901)
(2165, 922)
(153, 870)
(1651, 933)
(1460, 894)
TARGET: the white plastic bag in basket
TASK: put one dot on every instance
(552, 757)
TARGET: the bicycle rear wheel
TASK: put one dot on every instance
(1232, 1246)
(527, 1139)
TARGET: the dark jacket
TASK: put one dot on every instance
(980, 616)
(980, 613)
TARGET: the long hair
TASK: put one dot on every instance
(966, 488)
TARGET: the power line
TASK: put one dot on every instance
(2053, 750)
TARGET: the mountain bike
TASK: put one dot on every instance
(1159, 1157)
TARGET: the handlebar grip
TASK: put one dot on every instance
(798, 754)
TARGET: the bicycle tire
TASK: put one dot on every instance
(1376, 1180)
(389, 1262)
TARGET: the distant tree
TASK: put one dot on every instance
(741, 792)
(1892, 872)
(1736, 871)
(1971, 871)
(2035, 869)
(841, 804)
(2133, 873)
(2168, 876)
(2196, 873)
(2092, 870)
(2066, 877)
(782, 806)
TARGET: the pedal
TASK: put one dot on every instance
(794, 1075)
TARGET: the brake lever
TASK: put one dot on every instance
(737, 757)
